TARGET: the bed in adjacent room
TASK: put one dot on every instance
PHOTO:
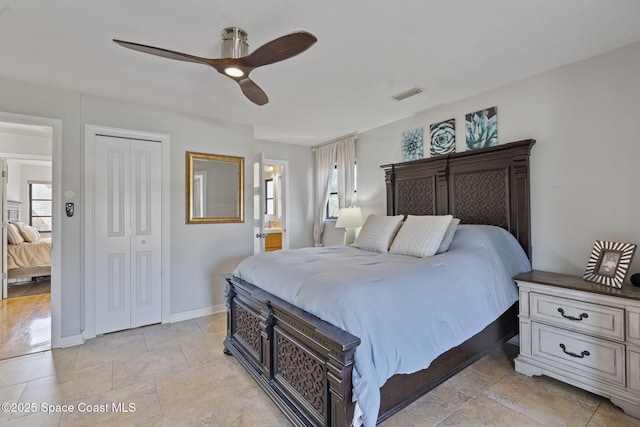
(346, 335)
(28, 254)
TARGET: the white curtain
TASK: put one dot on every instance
(345, 161)
(325, 161)
(341, 155)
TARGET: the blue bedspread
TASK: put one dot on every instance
(449, 297)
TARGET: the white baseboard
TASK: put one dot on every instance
(71, 340)
(173, 318)
(193, 314)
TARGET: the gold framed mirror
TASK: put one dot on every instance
(214, 188)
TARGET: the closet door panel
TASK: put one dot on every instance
(146, 239)
(112, 249)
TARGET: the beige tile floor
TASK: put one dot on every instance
(177, 375)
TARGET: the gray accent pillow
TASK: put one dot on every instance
(448, 236)
(420, 236)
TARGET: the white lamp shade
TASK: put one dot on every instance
(349, 218)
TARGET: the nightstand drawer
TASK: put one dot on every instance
(581, 355)
(594, 319)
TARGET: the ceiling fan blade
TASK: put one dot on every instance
(253, 91)
(280, 49)
(163, 52)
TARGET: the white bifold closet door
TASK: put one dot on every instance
(128, 246)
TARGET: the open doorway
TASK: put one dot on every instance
(275, 204)
(27, 211)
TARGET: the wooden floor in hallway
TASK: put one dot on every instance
(25, 320)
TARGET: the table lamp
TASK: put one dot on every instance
(351, 220)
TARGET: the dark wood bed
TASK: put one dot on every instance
(305, 364)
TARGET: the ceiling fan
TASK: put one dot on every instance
(236, 62)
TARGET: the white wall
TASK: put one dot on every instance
(199, 252)
(11, 143)
(584, 166)
(14, 181)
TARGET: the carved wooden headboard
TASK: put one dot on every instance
(486, 186)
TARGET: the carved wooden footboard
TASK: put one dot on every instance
(303, 363)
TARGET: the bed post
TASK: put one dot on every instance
(522, 220)
(229, 294)
(442, 190)
(340, 398)
(389, 179)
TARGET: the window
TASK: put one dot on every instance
(40, 205)
(268, 206)
(332, 205)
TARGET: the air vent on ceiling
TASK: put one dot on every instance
(407, 93)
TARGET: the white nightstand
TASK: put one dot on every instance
(582, 333)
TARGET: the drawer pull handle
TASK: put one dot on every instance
(582, 316)
(579, 356)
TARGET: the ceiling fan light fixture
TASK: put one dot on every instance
(233, 72)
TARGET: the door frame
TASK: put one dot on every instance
(56, 236)
(258, 203)
(91, 131)
(5, 220)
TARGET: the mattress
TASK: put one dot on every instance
(29, 254)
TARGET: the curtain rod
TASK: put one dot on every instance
(350, 135)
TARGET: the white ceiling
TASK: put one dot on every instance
(367, 51)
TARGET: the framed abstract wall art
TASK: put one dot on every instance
(482, 128)
(443, 137)
(412, 144)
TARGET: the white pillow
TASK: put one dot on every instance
(30, 234)
(13, 235)
(378, 232)
(448, 236)
(421, 235)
